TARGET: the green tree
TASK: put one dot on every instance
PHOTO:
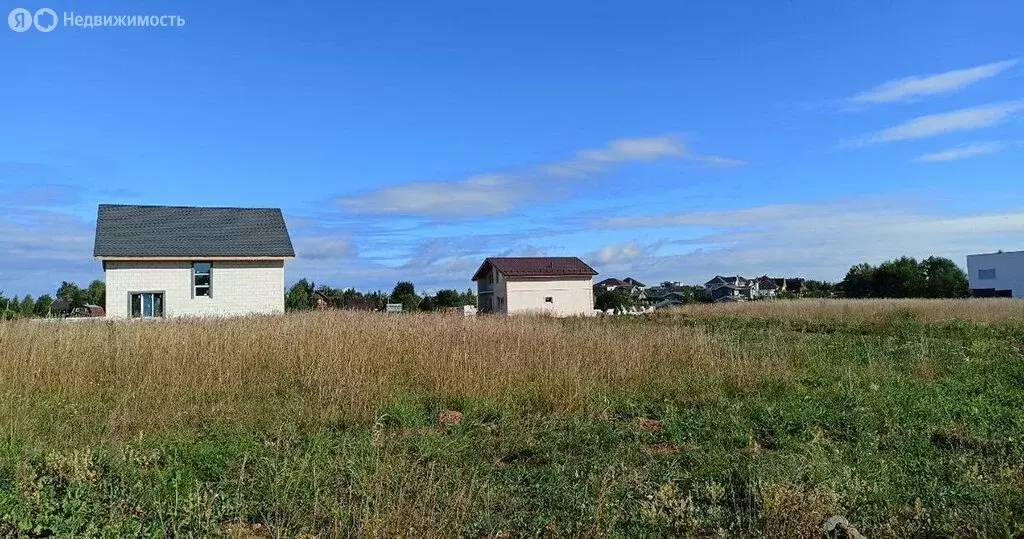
(13, 306)
(944, 279)
(299, 295)
(900, 278)
(28, 306)
(616, 300)
(448, 298)
(468, 297)
(405, 293)
(858, 282)
(818, 289)
(403, 288)
(42, 306)
(428, 303)
(71, 293)
(97, 293)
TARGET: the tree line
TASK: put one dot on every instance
(301, 296)
(71, 294)
(905, 277)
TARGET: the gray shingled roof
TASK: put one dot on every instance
(168, 231)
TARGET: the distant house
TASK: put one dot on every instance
(734, 287)
(361, 304)
(609, 284)
(768, 287)
(671, 299)
(191, 261)
(320, 301)
(63, 308)
(796, 286)
(561, 286)
(996, 274)
(633, 282)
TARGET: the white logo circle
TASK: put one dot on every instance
(53, 19)
(20, 19)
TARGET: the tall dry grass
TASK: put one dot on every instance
(994, 310)
(115, 379)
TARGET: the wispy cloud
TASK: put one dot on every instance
(948, 122)
(962, 152)
(924, 85)
(813, 240)
(481, 195)
(617, 253)
(492, 194)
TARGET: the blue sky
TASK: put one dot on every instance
(662, 140)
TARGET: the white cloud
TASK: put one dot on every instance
(495, 194)
(323, 247)
(486, 194)
(962, 152)
(947, 122)
(922, 85)
(619, 151)
(42, 248)
(814, 240)
(610, 254)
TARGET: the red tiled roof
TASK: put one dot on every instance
(536, 266)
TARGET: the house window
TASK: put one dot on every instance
(987, 274)
(549, 299)
(147, 304)
(201, 283)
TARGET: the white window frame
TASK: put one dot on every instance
(208, 286)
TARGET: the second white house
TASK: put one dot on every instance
(559, 286)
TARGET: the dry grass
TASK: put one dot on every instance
(110, 379)
(771, 416)
(927, 310)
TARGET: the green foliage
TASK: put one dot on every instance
(405, 293)
(617, 300)
(944, 279)
(299, 296)
(403, 288)
(858, 281)
(28, 306)
(904, 277)
(448, 298)
(818, 289)
(428, 303)
(42, 306)
(74, 295)
(97, 293)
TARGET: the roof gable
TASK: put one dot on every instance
(536, 266)
(185, 231)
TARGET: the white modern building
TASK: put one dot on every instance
(164, 261)
(997, 274)
(559, 286)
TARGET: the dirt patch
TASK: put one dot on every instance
(449, 418)
(662, 448)
(648, 424)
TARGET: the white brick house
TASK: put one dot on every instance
(187, 261)
(559, 286)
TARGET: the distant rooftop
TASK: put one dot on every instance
(536, 266)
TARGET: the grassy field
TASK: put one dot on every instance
(906, 417)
